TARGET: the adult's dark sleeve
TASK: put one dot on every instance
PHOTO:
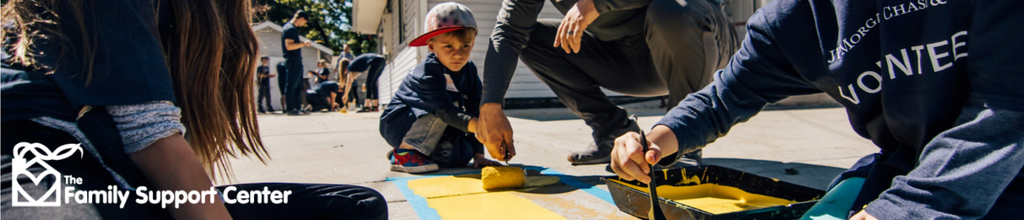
(511, 33)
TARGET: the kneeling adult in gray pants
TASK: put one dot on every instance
(636, 48)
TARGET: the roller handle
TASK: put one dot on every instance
(507, 154)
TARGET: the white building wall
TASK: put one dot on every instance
(401, 58)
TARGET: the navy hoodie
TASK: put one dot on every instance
(424, 92)
(936, 84)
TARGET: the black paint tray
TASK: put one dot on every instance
(637, 203)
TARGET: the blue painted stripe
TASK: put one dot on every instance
(588, 188)
(419, 204)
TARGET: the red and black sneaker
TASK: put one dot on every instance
(411, 161)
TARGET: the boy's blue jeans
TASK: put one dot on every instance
(425, 136)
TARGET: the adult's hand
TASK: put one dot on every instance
(493, 129)
(629, 160)
(576, 20)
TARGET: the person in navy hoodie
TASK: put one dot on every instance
(936, 84)
(431, 119)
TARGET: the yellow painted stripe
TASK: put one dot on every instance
(463, 197)
(447, 186)
(494, 206)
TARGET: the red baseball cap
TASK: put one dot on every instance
(443, 18)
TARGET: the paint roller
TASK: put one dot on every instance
(507, 177)
(503, 177)
(512, 177)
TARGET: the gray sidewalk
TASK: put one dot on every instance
(347, 149)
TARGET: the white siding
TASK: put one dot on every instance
(401, 58)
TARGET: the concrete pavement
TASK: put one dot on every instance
(347, 149)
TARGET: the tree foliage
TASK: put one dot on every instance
(329, 22)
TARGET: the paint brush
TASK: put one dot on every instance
(655, 212)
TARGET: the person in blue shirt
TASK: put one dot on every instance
(935, 84)
(324, 95)
(346, 53)
(432, 117)
(292, 46)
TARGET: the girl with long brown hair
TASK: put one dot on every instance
(157, 94)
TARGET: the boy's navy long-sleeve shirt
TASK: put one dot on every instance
(424, 91)
(936, 84)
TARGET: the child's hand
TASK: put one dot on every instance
(480, 161)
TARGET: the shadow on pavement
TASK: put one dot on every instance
(810, 175)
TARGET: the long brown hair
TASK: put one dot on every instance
(343, 71)
(211, 54)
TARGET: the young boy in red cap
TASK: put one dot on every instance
(432, 117)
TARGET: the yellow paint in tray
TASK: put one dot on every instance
(714, 198)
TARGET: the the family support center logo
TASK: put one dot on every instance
(52, 197)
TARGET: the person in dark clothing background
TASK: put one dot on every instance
(282, 73)
(633, 47)
(324, 96)
(292, 47)
(372, 65)
(263, 95)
